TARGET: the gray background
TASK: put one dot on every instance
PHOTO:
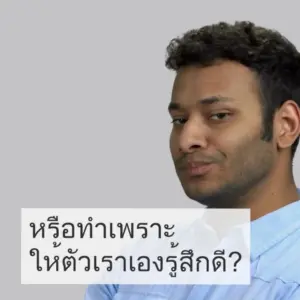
(83, 112)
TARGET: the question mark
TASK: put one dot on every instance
(238, 260)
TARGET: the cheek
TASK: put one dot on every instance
(235, 137)
(241, 147)
(231, 146)
(174, 144)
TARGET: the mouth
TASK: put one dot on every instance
(198, 169)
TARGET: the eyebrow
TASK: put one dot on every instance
(205, 101)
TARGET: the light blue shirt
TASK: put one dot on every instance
(275, 268)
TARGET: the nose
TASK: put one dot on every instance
(192, 136)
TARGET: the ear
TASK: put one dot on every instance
(287, 124)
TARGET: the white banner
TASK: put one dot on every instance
(135, 246)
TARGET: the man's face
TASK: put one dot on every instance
(216, 137)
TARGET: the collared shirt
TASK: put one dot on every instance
(275, 268)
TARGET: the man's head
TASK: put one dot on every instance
(234, 108)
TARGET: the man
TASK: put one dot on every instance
(236, 123)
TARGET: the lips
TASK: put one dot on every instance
(198, 169)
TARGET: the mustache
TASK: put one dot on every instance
(182, 161)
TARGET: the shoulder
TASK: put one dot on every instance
(273, 289)
(281, 262)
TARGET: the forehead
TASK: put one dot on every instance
(227, 79)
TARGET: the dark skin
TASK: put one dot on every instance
(217, 120)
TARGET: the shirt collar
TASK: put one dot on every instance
(272, 228)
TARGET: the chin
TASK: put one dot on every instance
(199, 196)
(208, 196)
(201, 190)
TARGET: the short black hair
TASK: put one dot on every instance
(273, 58)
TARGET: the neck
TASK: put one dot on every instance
(277, 191)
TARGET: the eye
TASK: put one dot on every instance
(178, 121)
(220, 116)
